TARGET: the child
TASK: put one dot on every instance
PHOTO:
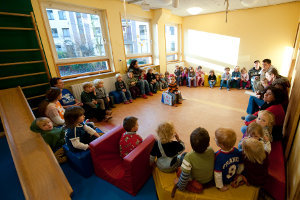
(78, 135)
(192, 77)
(159, 83)
(167, 74)
(244, 79)
(197, 165)
(144, 75)
(132, 85)
(236, 77)
(129, 140)
(101, 96)
(254, 130)
(91, 106)
(200, 76)
(255, 162)
(227, 159)
(226, 77)
(152, 81)
(266, 119)
(212, 79)
(163, 81)
(184, 77)
(166, 150)
(53, 136)
(177, 73)
(174, 92)
(122, 89)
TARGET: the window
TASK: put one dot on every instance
(50, 14)
(54, 32)
(171, 34)
(83, 46)
(137, 41)
(62, 15)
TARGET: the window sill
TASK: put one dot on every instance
(102, 75)
(174, 61)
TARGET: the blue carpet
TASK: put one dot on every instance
(84, 188)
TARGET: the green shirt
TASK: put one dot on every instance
(199, 165)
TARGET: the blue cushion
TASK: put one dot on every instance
(80, 161)
(117, 97)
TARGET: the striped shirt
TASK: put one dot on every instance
(173, 87)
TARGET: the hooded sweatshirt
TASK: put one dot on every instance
(55, 138)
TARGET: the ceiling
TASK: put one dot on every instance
(208, 6)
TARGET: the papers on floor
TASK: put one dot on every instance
(250, 93)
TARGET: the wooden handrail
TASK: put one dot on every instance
(36, 85)
(21, 63)
(15, 14)
(16, 28)
(35, 97)
(39, 172)
(17, 50)
(22, 75)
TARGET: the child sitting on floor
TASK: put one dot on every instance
(177, 73)
(167, 74)
(101, 96)
(53, 136)
(78, 135)
(227, 159)
(158, 81)
(184, 77)
(244, 79)
(132, 85)
(255, 162)
(226, 77)
(166, 150)
(122, 89)
(266, 119)
(198, 165)
(212, 79)
(130, 139)
(91, 106)
(152, 81)
(192, 77)
(236, 77)
(200, 76)
(174, 92)
(164, 81)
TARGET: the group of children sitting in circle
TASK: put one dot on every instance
(63, 122)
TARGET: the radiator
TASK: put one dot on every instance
(171, 66)
(109, 85)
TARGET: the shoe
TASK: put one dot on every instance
(220, 88)
(126, 102)
(150, 94)
(228, 89)
(106, 118)
(243, 117)
(174, 105)
(130, 100)
(144, 96)
(108, 112)
(113, 106)
(179, 102)
(241, 88)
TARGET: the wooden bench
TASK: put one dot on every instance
(39, 173)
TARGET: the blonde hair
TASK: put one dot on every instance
(254, 128)
(118, 75)
(129, 73)
(149, 69)
(244, 69)
(271, 118)
(237, 67)
(254, 150)
(97, 81)
(87, 84)
(165, 132)
(225, 137)
(41, 120)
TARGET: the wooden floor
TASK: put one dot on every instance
(209, 108)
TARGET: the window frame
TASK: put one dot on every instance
(82, 60)
(141, 55)
(178, 44)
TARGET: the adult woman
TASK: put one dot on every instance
(52, 108)
(273, 99)
(142, 84)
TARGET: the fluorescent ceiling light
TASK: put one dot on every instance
(194, 10)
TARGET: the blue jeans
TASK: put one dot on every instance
(212, 83)
(254, 104)
(227, 82)
(124, 94)
(178, 80)
(144, 86)
(194, 81)
(153, 87)
(248, 118)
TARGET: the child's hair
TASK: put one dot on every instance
(254, 128)
(212, 71)
(165, 132)
(97, 82)
(149, 69)
(118, 75)
(254, 150)
(129, 73)
(199, 67)
(72, 114)
(270, 116)
(167, 73)
(156, 73)
(199, 140)
(54, 81)
(225, 137)
(161, 74)
(86, 85)
(172, 75)
(244, 70)
(256, 61)
(227, 68)
(129, 123)
(51, 95)
(237, 67)
(41, 120)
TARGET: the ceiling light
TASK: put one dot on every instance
(194, 10)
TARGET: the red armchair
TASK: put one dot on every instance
(129, 173)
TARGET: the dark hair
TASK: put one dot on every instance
(267, 61)
(51, 95)
(129, 123)
(53, 81)
(72, 114)
(227, 68)
(256, 61)
(278, 94)
(132, 63)
(274, 71)
(199, 140)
